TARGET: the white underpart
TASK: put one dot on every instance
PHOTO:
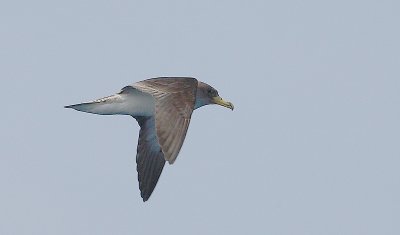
(130, 102)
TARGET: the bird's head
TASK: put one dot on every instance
(207, 94)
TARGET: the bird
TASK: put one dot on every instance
(163, 107)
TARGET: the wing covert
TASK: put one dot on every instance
(174, 100)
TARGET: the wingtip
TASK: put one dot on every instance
(145, 198)
(72, 106)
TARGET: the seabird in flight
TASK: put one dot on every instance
(163, 107)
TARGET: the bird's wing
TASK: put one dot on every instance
(150, 159)
(174, 100)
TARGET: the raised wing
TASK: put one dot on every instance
(174, 100)
(149, 159)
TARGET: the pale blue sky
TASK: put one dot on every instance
(311, 148)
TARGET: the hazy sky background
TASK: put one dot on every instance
(311, 148)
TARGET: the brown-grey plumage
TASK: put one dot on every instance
(174, 104)
(149, 158)
(163, 108)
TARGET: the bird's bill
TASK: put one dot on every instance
(218, 100)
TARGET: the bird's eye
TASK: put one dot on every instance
(212, 92)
